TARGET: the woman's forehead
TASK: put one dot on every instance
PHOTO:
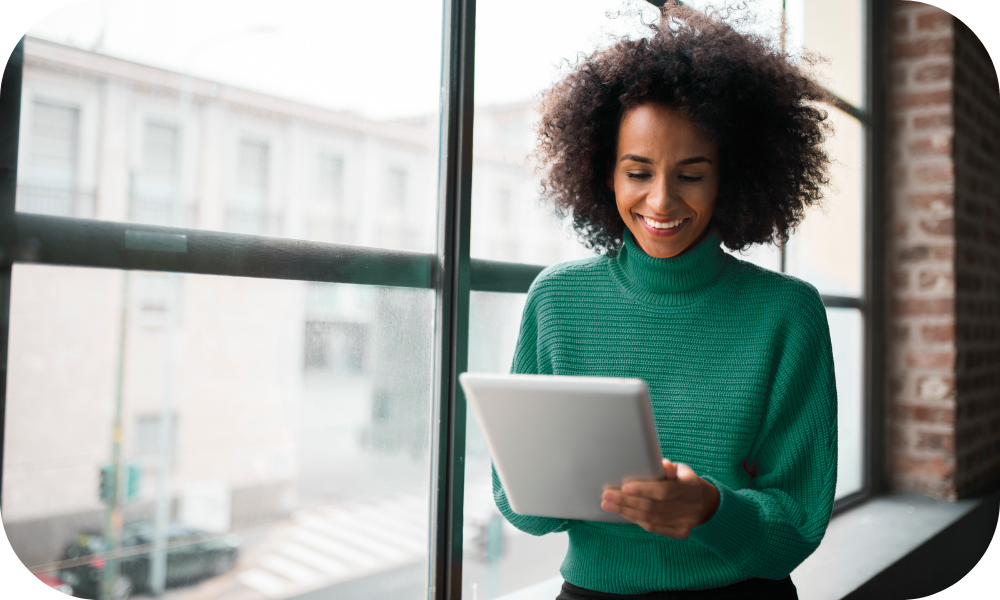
(658, 128)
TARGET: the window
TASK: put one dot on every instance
(353, 250)
(51, 187)
(156, 197)
(248, 213)
(328, 219)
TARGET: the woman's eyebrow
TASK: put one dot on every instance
(649, 161)
(693, 160)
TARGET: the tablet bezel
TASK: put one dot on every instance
(596, 431)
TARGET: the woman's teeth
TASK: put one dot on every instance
(661, 224)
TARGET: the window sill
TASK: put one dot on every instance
(865, 548)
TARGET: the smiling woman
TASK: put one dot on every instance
(663, 149)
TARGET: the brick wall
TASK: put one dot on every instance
(943, 252)
(976, 154)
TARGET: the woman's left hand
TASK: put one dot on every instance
(670, 507)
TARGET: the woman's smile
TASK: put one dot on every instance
(661, 227)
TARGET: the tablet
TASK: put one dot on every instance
(557, 441)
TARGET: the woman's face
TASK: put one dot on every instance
(665, 179)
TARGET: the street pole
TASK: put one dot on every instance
(158, 568)
(113, 516)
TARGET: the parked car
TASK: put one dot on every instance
(192, 555)
(55, 582)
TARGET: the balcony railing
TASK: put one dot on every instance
(152, 210)
(253, 222)
(55, 201)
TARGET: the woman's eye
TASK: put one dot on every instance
(690, 177)
(638, 176)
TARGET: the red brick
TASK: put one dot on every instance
(930, 145)
(935, 280)
(930, 466)
(914, 254)
(901, 24)
(943, 253)
(918, 306)
(929, 73)
(921, 99)
(929, 359)
(932, 121)
(898, 438)
(935, 202)
(896, 124)
(899, 333)
(936, 173)
(938, 333)
(934, 415)
(936, 388)
(898, 77)
(927, 440)
(938, 226)
(934, 21)
(921, 48)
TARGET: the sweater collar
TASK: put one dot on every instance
(680, 279)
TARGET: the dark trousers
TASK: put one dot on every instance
(755, 587)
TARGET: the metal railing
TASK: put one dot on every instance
(55, 200)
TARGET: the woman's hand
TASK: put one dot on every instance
(670, 507)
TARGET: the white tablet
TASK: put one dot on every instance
(558, 441)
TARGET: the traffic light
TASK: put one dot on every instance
(108, 485)
(130, 487)
(134, 483)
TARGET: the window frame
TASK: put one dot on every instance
(450, 271)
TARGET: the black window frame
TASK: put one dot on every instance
(450, 271)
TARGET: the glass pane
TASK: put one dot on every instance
(846, 335)
(763, 255)
(508, 221)
(274, 434)
(827, 250)
(835, 31)
(497, 558)
(223, 115)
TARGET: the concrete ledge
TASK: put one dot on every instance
(890, 548)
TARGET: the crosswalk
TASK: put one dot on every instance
(331, 545)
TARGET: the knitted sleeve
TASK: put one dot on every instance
(770, 528)
(526, 362)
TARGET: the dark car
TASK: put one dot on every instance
(191, 556)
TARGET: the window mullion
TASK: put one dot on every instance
(452, 310)
(10, 122)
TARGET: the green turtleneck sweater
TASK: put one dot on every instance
(739, 367)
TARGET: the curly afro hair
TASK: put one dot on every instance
(736, 88)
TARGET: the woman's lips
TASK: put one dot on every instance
(663, 228)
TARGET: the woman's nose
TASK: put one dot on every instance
(661, 197)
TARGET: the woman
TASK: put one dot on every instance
(661, 150)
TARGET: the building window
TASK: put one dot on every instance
(156, 192)
(51, 180)
(248, 213)
(326, 219)
(331, 179)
